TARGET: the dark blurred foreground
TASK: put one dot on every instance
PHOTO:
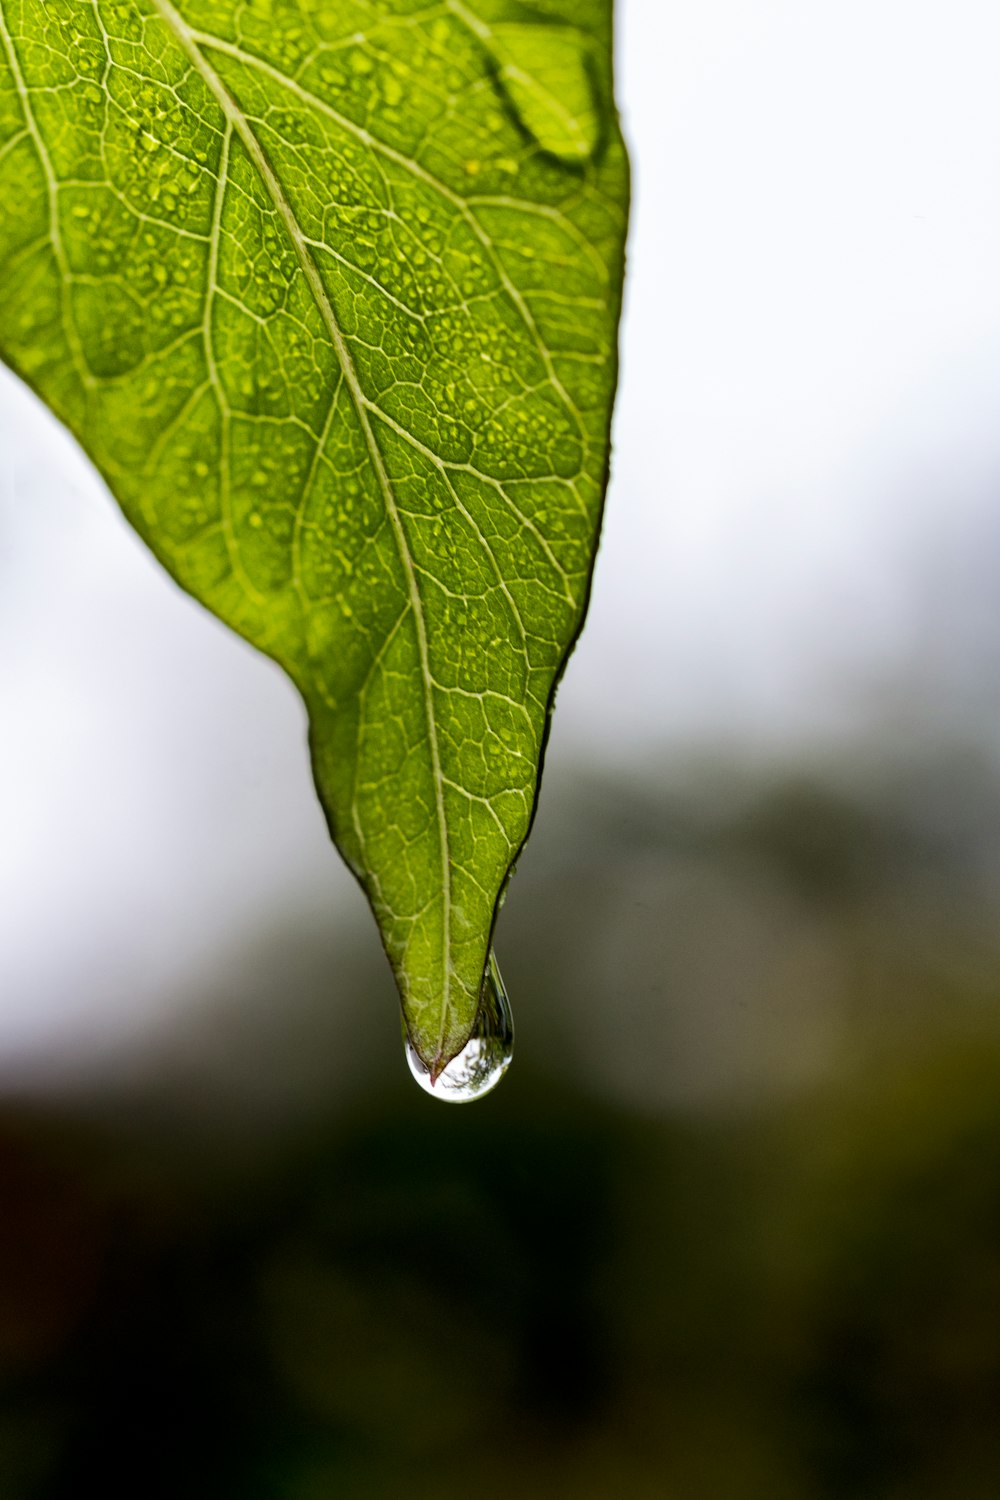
(730, 1228)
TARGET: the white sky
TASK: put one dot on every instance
(810, 400)
(802, 529)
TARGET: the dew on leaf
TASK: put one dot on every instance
(314, 362)
(486, 1056)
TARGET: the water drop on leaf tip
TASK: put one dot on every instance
(486, 1056)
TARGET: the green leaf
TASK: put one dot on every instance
(328, 290)
(547, 74)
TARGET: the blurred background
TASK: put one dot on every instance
(731, 1225)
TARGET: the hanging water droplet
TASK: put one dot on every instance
(486, 1056)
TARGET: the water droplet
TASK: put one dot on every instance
(486, 1056)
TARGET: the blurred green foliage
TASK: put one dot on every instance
(769, 1280)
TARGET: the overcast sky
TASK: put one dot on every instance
(801, 539)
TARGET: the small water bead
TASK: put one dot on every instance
(484, 1059)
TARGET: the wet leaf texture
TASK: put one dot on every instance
(328, 290)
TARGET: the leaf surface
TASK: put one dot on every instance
(328, 290)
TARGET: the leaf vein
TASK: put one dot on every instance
(191, 43)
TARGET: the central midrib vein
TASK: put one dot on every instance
(241, 125)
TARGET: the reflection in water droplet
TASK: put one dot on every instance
(486, 1056)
